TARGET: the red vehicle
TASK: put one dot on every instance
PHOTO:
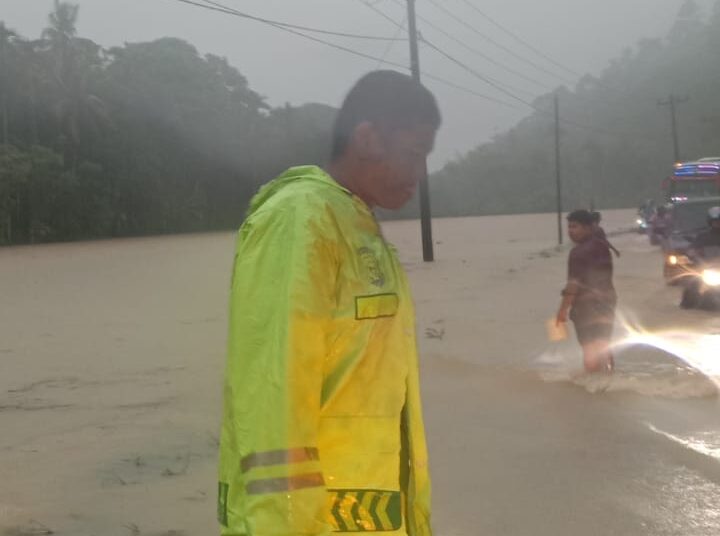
(693, 180)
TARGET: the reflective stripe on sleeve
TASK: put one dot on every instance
(278, 457)
(275, 485)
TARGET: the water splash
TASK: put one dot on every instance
(708, 446)
(693, 371)
(699, 350)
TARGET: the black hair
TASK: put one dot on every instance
(582, 216)
(596, 216)
(391, 99)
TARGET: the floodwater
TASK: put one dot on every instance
(111, 361)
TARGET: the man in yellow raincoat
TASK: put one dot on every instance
(323, 429)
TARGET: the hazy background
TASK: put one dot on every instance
(135, 118)
(581, 34)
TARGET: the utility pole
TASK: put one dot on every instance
(4, 40)
(425, 217)
(558, 185)
(672, 102)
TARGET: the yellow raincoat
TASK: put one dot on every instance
(322, 430)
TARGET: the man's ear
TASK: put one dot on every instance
(367, 141)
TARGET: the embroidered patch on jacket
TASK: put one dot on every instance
(371, 264)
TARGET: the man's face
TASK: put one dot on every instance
(397, 165)
(579, 232)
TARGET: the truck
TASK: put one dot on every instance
(693, 180)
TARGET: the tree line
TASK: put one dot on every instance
(615, 139)
(153, 137)
(145, 138)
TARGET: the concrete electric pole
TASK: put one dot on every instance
(425, 217)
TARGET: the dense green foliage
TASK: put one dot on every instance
(144, 138)
(154, 138)
(628, 151)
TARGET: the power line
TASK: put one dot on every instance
(504, 67)
(486, 78)
(401, 26)
(466, 46)
(230, 11)
(381, 13)
(494, 83)
(529, 46)
(474, 72)
(283, 27)
(215, 6)
(469, 91)
(519, 39)
(498, 45)
(512, 95)
(400, 29)
(490, 60)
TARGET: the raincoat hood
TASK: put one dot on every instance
(311, 174)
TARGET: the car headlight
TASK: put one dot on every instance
(711, 278)
(678, 260)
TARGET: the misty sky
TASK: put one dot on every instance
(580, 34)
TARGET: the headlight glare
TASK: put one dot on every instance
(711, 278)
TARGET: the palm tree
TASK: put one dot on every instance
(6, 37)
(74, 62)
(62, 29)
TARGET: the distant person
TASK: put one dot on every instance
(647, 208)
(645, 212)
(323, 430)
(600, 232)
(589, 297)
(660, 224)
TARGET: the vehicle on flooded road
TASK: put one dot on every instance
(693, 180)
(688, 219)
(702, 287)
